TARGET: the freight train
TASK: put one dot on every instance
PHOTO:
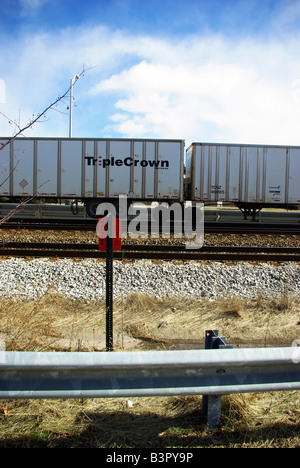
(97, 170)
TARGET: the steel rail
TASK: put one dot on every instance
(151, 247)
(241, 227)
(163, 252)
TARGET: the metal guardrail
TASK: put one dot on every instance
(209, 372)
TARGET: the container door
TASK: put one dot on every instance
(71, 167)
(47, 160)
(4, 169)
(136, 189)
(88, 168)
(149, 171)
(212, 170)
(119, 165)
(221, 175)
(23, 167)
(206, 151)
(275, 167)
(101, 171)
(293, 176)
(253, 174)
(233, 181)
(168, 165)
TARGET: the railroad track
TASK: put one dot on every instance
(209, 227)
(155, 252)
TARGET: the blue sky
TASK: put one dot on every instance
(164, 17)
(206, 70)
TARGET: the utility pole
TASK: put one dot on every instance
(76, 77)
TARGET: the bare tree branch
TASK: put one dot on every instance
(20, 206)
(23, 129)
(39, 116)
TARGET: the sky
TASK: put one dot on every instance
(218, 71)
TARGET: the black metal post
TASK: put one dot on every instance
(109, 293)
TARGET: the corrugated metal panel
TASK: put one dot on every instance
(244, 173)
(93, 168)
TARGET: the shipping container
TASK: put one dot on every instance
(248, 175)
(92, 169)
(95, 170)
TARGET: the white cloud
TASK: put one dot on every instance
(247, 92)
(200, 88)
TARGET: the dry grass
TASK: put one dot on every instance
(53, 322)
(250, 420)
(262, 321)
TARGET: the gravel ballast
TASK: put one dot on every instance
(85, 279)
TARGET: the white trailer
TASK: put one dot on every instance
(251, 176)
(92, 170)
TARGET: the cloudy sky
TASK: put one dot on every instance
(199, 70)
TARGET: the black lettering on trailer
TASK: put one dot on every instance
(154, 163)
(90, 159)
(127, 162)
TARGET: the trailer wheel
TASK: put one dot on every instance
(92, 205)
(91, 208)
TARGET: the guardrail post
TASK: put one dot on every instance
(211, 404)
